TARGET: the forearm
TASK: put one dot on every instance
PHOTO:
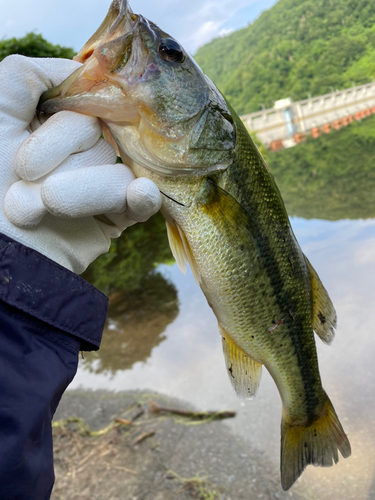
(51, 293)
(47, 315)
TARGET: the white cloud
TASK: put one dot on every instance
(366, 254)
(72, 22)
(225, 31)
(205, 32)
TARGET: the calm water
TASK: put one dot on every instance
(174, 348)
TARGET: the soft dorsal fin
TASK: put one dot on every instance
(244, 372)
(181, 250)
(324, 319)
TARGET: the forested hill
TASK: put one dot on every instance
(295, 48)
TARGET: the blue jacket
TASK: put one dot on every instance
(47, 315)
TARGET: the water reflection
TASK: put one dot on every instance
(131, 257)
(371, 494)
(136, 324)
(329, 178)
(189, 362)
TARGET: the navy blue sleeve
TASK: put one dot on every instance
(47, 315)
(49, 292)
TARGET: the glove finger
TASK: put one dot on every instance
(143, 198)
(23, 204)
(63, 134)
(100, 154)
(22, 82)
(112, 225)
(87, 191)
(57, 69)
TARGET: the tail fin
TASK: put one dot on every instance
(316, 444)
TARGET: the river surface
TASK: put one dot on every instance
(176, 350)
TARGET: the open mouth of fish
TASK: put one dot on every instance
(135, 76)
(102, 86)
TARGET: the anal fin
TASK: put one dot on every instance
(324, 318)
(244, 372)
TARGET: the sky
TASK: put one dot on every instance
(71, 22)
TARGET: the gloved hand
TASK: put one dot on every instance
(56, 177)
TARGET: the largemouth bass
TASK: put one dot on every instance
(225, 217)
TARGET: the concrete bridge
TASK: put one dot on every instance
(288, 122)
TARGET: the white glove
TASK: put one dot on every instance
(57, 176)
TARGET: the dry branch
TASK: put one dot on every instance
(198, 415)
(142, 437)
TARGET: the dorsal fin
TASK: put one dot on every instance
(244, 372)
(181, 249)
(324, 318)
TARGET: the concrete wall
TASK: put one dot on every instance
(288, 122)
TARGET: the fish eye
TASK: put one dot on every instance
(171, 51)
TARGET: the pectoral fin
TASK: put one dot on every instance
(244, 372)
(222, 206)
(324, 317)
(181, 250)
(109, 138)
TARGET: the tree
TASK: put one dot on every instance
(33, 45)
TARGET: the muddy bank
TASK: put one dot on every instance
(145, 455)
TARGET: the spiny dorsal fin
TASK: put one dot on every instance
(181, 250)
(244, 372)
(324, 317)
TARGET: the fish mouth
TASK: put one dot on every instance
(96, 88)
(118, 22)
(132, 77)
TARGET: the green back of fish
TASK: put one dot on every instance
(276, 285)
(280, 301)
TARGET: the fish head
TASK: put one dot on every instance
(161, 109)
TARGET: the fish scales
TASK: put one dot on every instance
(283, 262)
(225, 217)
(247, 287)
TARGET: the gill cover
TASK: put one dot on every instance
(160, 108)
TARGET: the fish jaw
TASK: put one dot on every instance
(88, 91)
(177, 121)
(95, 88)
(118, 22)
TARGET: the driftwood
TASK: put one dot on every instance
(196, 415)
(142, 437)
(122, 421)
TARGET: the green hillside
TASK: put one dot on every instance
(295, 48)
